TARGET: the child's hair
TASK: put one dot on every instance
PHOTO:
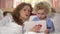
(53, 10)
(42, 5)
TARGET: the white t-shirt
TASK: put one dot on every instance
(10, 27)
(5, 20)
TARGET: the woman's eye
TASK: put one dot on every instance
(29, 10)
(24, 9)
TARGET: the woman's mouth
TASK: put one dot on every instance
(27, 15)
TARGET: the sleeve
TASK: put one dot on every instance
(52, 28)
(50, 25)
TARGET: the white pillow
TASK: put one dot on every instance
(56, 21)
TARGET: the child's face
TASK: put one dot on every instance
(41, 13)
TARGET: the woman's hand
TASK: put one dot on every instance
(36, 28)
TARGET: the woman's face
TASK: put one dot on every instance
(25, 12)
(41, 14)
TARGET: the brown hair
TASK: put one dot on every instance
(16, 14)
(42, 5)
(5, 13)
(53, 10)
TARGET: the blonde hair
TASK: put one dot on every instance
(42, 5)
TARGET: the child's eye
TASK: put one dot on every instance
(38, 13)
(41, 13)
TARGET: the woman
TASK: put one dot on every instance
(17, 18)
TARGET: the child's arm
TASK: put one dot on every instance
(51, 29)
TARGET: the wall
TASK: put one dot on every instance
(6, 3)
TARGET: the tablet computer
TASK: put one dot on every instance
(30, 24)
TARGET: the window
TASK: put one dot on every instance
(33, 2)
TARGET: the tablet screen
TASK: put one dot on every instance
(31, 24)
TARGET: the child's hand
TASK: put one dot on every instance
(39, 25)
(36, 28)
(46, 31)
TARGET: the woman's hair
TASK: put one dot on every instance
(42, 5)
(16, 14)
(5, 13)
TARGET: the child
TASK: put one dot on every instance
(42, 9)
